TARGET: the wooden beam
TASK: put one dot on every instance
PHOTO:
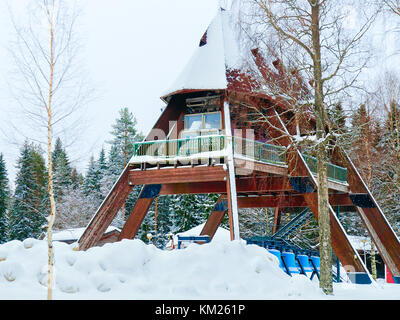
(373, 218)
(289, 201)
(178, 175)
(344, 250)
(215, 218)
(139, 211)
(122, 188)
(106, 212)
(243, 185)
(277, 220)
(136, 218)
(341, 245)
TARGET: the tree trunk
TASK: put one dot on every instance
(50, 164)
(369, 179)
(322, 156)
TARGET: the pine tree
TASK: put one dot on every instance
(30, 203)
(91, 184)
(76, 179)
(4, 195)
(114, 162)
(102, 163)
(125, 135)
(62, 171)
(188, 211)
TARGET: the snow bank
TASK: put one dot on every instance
(131, 269)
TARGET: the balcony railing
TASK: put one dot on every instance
(214, 146)
(180, 147)
(259, 151)
(335, 172)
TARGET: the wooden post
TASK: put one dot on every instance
(230, 181)
(277, 220)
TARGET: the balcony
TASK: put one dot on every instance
(202, 148)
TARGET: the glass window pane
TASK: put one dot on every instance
(193, 122)
(212, 121)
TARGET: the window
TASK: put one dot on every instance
(202, 124)
(212, 121)
(193, 122)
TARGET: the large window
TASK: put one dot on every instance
(202, 124)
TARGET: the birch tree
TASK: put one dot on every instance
(47, 84)
(318, 40)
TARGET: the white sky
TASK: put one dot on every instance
(134, 50)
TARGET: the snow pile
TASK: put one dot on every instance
(131, 269)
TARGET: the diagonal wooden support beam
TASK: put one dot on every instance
(372, 216)
(106, 212)
(344, 250)
(122, 187)
(215, 218)
(139, 211)
(341, 245)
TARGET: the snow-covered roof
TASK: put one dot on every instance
(222, 62)
(217, 52)
(75, 233)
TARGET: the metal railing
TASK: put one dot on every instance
(259, 151)
(203, 146)
(335, 172)
(179, 147)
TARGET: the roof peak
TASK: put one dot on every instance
(226, 4)
(223, 4)
(216, 63)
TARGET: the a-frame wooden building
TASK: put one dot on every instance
(205, 142)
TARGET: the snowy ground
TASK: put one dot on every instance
(131, 269)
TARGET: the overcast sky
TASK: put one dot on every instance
(133, 50)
